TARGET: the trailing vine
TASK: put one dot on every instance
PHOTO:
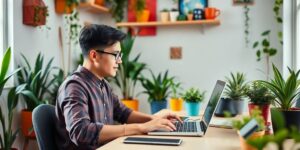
(246, 24)
(276, 9)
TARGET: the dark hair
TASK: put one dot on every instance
(98, 36)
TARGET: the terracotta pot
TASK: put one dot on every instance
(143, 16)
(190, 17)
(265, 110)
(26, 124)
(176, 104)
(34, 12)
(99, 2)
(62, 8)
(132, 104)
(245, 145)
(164, 16)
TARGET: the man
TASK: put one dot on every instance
(86, 106)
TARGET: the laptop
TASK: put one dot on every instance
(197, 127)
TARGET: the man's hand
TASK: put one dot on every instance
(167, 114)
(157, 124)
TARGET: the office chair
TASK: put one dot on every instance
(43, 119)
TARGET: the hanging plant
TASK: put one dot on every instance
(276, 9)
(35, 12)
(246, 24)
(264, 48)
(65, 6)
(117, 9)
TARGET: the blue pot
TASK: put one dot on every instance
(156, 106)
(192, 109)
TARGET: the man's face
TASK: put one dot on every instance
(108, 60)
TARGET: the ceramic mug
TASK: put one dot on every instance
(211, 13)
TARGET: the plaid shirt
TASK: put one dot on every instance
(84, 104)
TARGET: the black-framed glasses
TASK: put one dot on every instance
(118, 55)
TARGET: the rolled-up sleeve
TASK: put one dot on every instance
(78, 123)
(121, 112)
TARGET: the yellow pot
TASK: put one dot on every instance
(176, 104)
(245, 145)
(132, 104)
(143, 16)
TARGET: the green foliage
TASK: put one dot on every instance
(278, 138)
(8, 137)
(256, 114)
(140, 5)
(276, 9)
(264, 46)
(246, 24)
(130, 70)
(190, 12)
(158, 88)
(117, 9)
(259, 94)
(74, 27)
(236, 87)
(164, 10)
(193, 95)
(37, 82)
(181, 17)
(174, 89)
(285, 91)
(59, 79)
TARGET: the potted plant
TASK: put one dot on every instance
(182, 17)
(35, 12)
(285, 92)
(174, 14)
(8, 136)
(236, 90)
(193, 98)
(142, 14)
(158, 89)
(164, 15)
(117, 9)
(37, 85)
(65, 6)
(175, 100)
(260, 131)
(190, 15)
(260, 98)
(128, 75)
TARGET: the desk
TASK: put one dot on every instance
(214, 139)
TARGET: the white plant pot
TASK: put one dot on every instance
(173, 15)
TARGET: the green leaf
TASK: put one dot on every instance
(267, 32)
(5, 64)
(265, 43)
(255, 44)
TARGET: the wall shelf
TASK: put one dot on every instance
(154, 23)
(89, 6)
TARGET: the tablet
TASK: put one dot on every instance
(153, 141)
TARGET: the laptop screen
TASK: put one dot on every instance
(212, 103)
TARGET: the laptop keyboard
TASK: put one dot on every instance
(186, 127)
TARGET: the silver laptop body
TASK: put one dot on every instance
(197, 128)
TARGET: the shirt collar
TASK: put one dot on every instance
(91, 76)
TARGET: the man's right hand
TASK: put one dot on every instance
(157, 124)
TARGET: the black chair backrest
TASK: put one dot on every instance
(43, 118)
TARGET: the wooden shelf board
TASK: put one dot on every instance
(93, 7)
(154, 23)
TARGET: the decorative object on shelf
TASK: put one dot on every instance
(141, 12)
(174, 13)
(99, 2)
(190, 15)
(211, 13)
(65, 6)
(182, 17)
(193, 98)
(164, 15)
(151, 6)
(264, 48)
(198, 14)
(35, 12)
(243, 2)
(186, 5)
(158, 89)
(117, 9)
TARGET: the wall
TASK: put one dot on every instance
(209, 53)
